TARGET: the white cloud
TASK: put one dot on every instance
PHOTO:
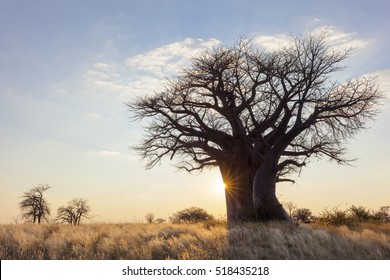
(383, 80)
(341, 40)
(141, 74)
(336, 38)
(273, 42)
(145, 73)
(165, 60)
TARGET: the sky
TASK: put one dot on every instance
(68, 68)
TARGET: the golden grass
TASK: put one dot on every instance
(170, 241)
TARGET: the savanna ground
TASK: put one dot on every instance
(196, 241)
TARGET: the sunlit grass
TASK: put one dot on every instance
(172, 241)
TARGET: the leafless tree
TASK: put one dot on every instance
(383, 214)
(149, 218)
(74, 211)
(258, 116)
(34, 206)
(290, 207)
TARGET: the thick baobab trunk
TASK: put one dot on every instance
(251, 192)
(265, 202)
(238, 180)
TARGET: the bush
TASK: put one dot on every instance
(191, 215)
(383, 214)
(149, 218)
(302, 214)
(160, 221)
(359, 213)
(335, 217)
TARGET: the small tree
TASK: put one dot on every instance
(359, 213)
(191, 215)
(74, 211)
(302, 214)
(34, 206)
(290, 207)
(66, 214)
(149, 218)
(383, 214)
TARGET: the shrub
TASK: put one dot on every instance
(149, 218)
(160, 221)
(383, 214)
(191, 215)
(335, 217)
(302, 214)
(359, 213)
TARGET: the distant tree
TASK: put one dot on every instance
(258, 116)
(303, 215)
(34, 206)
(383, 214)
(149, 218)
(290, 207)
(16, 219)
(76, 210)
(191, 215)
(359, 213)
(335, 217)
(160, 221)
(65, 214)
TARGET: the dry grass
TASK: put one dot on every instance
(168, 241)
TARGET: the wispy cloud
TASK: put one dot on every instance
(273, 42)
(165, 60)
(383, 80)
(342, 40)
(145, 73)
(104, 76)
(336, 38)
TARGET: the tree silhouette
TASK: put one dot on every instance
(360, 213)
(34, 206)
(258, 116)
(191, 215)
(383, 214)
(74, 211)
(302, 214)
(290, 207)
(150, 218)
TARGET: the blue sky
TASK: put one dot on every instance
(68, 67)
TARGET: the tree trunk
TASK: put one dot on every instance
(238, 179)
(265, 202)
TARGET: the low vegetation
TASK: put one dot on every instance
(195, 241)
(191, 215)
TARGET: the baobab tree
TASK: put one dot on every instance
(34, 206)
(258, 116)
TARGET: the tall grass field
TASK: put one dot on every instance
(197, 241)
